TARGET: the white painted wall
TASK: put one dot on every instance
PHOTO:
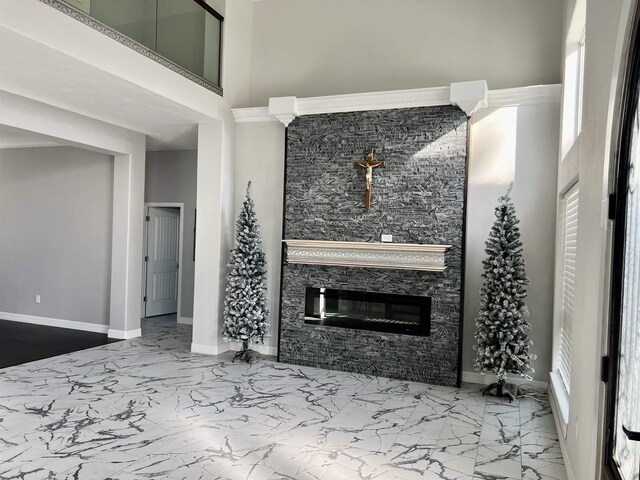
(326, 47)
(55, 240)
(236, 58)
(520, 145)
(589, 160)
(171, 176)
(128, 149)
(260, 159)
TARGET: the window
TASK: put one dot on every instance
(573, 93)
(569, 245)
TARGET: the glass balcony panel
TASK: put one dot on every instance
(212, 36)
(181, 32)
(134, 18)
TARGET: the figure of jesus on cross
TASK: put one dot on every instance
(369, 165)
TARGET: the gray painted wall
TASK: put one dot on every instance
(309, 48)
(55, 235)
(171, 177)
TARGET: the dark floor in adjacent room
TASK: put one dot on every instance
(23, 342)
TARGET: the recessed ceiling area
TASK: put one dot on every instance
(34, 70)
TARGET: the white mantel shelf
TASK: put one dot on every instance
(405, 256)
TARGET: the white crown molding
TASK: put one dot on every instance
(357, 102)
(420, 97)
(254, 114)
(402, 256)
(27, 143)
(534, 95)
(54, 322)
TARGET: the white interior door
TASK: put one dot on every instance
(163, 237)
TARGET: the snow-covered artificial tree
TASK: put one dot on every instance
(245, 309)
(502, 336)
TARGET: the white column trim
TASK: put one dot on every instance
(285, 109)
(124, 334)
(470, 96)
(420, 97)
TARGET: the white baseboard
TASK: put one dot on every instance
(557, 417)
(124, 334)
(54, 322)
(185, 320)
(225, 347)
(262, 349)
(203, 349)
(475, 377)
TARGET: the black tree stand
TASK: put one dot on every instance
(502, 390)
(246, 354)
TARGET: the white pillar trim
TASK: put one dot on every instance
(284, 109)
(469, 96)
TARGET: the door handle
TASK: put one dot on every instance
(631, 435)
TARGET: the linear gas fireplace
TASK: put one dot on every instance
(382, 312)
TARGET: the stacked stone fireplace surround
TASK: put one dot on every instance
(418, 197)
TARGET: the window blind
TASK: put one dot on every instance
(569, 246)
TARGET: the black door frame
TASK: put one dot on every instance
(629, 104)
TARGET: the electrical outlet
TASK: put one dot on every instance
(386, 238)
(37, 298)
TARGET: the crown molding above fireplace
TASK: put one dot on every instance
(418, 97)
(404, 256)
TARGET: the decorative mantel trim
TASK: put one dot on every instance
(405, 256)
(420, 97)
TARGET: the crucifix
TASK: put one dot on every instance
(370, 164)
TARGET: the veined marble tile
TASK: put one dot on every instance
(148, 408)
(455, 450)
(439, 471)
(499, 460)
(470, 415)
(409, 456)
(305, 464)
(541, 456)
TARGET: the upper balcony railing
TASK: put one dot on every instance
(187, 33)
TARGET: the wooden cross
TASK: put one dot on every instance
(370, 164)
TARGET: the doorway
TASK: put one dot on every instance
(161, 272)
(622, 454)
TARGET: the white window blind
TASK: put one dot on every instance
(569, 245)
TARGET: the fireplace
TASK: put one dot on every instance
(380, 312)
(332, 242)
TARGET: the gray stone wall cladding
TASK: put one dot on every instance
(418, 197)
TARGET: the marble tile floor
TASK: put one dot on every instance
(149, 409)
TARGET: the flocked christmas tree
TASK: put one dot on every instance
(502, 336)
(245, 310)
